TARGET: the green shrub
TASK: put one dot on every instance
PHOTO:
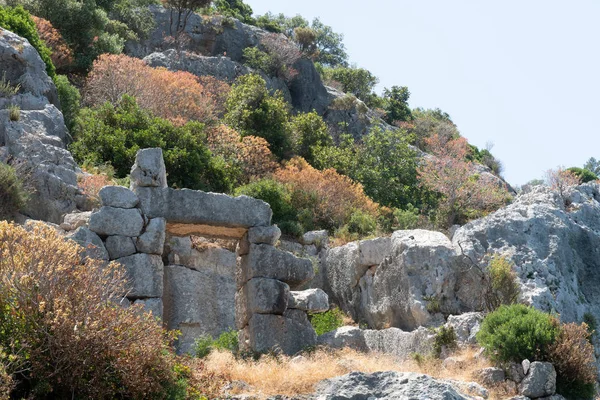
(259, 60)
(585, 175)
(502, 283)
(291, 228)
(308, 130)
(444, 338)
(114, 134)
(362, 223)
(252, 111)
(276, 194)
(517, 332)
(591, 322)
(327, 321)
(407, 218)
(18, 21)
(226, 341)
(14, 112)
(7, 89)
(70, 100)
(12, 194)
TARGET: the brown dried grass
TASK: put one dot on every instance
(288, 376)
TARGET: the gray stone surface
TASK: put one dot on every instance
(198, 303)
(392, 341)
(74, 220)
(311, 300)
(110, 221)
(420, 266)
(264, 235)
(220, 261)
(152, 241)
(149, 169)
(119, 246)
(318, 238)
(289, 333)
(91, 242)
(118, 196)
(36, 142)
(266, 296)
(144, 274)
(194, 207)
(386, 385)
(514, 372)
(466, 326)
(23, 65)
(540, 380)
(265, 261)
(153, 306)
(490, 376)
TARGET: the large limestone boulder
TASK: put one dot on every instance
(390, 281)
(540, 380)
(36, 142)
(144, 275)
(392, 341)
(387, 385)
(111, 221)
(266, 261)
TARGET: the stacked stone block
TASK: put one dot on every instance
(150, 223)
(134, 241)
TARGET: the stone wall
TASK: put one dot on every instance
(147, 229)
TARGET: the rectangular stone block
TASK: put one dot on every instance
(265, 261)
(111, 221)
(145, 275)
(184, 206)
(289, 333)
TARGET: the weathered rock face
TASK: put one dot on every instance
(540, 380)
(556, 250)
(392, 341)
(386, 385)
(390, 281)
(36, 142)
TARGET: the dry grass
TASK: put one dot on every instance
(296, 376)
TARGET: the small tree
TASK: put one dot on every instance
(561, 179)
(501, 283)
(306, 39)
(181, 11)
(449, 173)
(308, 130)
(396, 104)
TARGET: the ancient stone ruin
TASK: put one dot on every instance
(147, 229)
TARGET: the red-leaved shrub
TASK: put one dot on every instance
(62, 56)
(177, 96)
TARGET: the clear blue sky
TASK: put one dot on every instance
(524, 75)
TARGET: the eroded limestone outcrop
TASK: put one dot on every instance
(36, 143)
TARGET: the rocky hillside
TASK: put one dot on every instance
(192, 264)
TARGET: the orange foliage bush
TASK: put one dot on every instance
(251, 154)
(448, 172)
(65, 327)
(332, 197)
(177, 96)
(62, 56)
(90, 185)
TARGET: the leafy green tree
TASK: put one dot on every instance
(356, 81)
(330, 45)
(114, 134)
(396, 104)
(18, 21)
(70, 100)
(236, 9)
(585, 175)
(94, 27)
(252, 111)
(593, 165)
(308, 130)
(276, 194)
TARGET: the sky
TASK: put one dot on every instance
(523, 75)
